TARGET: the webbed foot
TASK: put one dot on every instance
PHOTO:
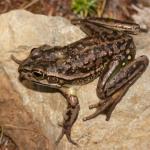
(107, 107)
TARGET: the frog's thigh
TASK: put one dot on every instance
(125, 76)
(117, 86)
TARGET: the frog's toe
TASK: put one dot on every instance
(67, 132)
(60, 137)
(68, 135)
(95, 114)
(95, 105)
(60, 124)
(104, 108)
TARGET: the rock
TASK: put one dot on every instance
(15, 121)
(142, 17)
(129, 126)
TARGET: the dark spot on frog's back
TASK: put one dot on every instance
(49, 56)
(130, 43)
(121, 44)
(110, 38)
(108, 47)
(68, 115)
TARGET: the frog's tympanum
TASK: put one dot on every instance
(107, 53)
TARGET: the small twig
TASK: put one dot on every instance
(101, 7)
(136, 8)
(8, 126)
(30, 4)
(1, 134)
(17, 128)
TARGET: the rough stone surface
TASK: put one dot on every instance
(141, 16)
(129, 127)
(16, 123)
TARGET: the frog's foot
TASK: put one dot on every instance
(66, 131)
(70, 117)
(105, 108)
(102, 108)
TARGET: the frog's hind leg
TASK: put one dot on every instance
(70, 117)
(94, 25)
(115, 88)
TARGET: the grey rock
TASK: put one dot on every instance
(129, 126)
(142, 16)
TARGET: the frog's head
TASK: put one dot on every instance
(35, 69)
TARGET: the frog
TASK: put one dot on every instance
(107, 53)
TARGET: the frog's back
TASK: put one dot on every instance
(84, 60)
(92, 53)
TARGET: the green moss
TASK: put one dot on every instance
(84, 7)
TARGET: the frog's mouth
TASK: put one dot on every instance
(52, 85)
(25, 77)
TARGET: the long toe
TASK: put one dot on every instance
(95, 114)
(70, 140)
(60, 137)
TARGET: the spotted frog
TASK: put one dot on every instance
(107, 53)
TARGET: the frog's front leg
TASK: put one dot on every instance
(70, 117)
(111, 88)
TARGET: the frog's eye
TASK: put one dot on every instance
(38, 74)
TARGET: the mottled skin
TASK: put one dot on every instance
(108, 52)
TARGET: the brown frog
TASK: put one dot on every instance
(108, 52)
